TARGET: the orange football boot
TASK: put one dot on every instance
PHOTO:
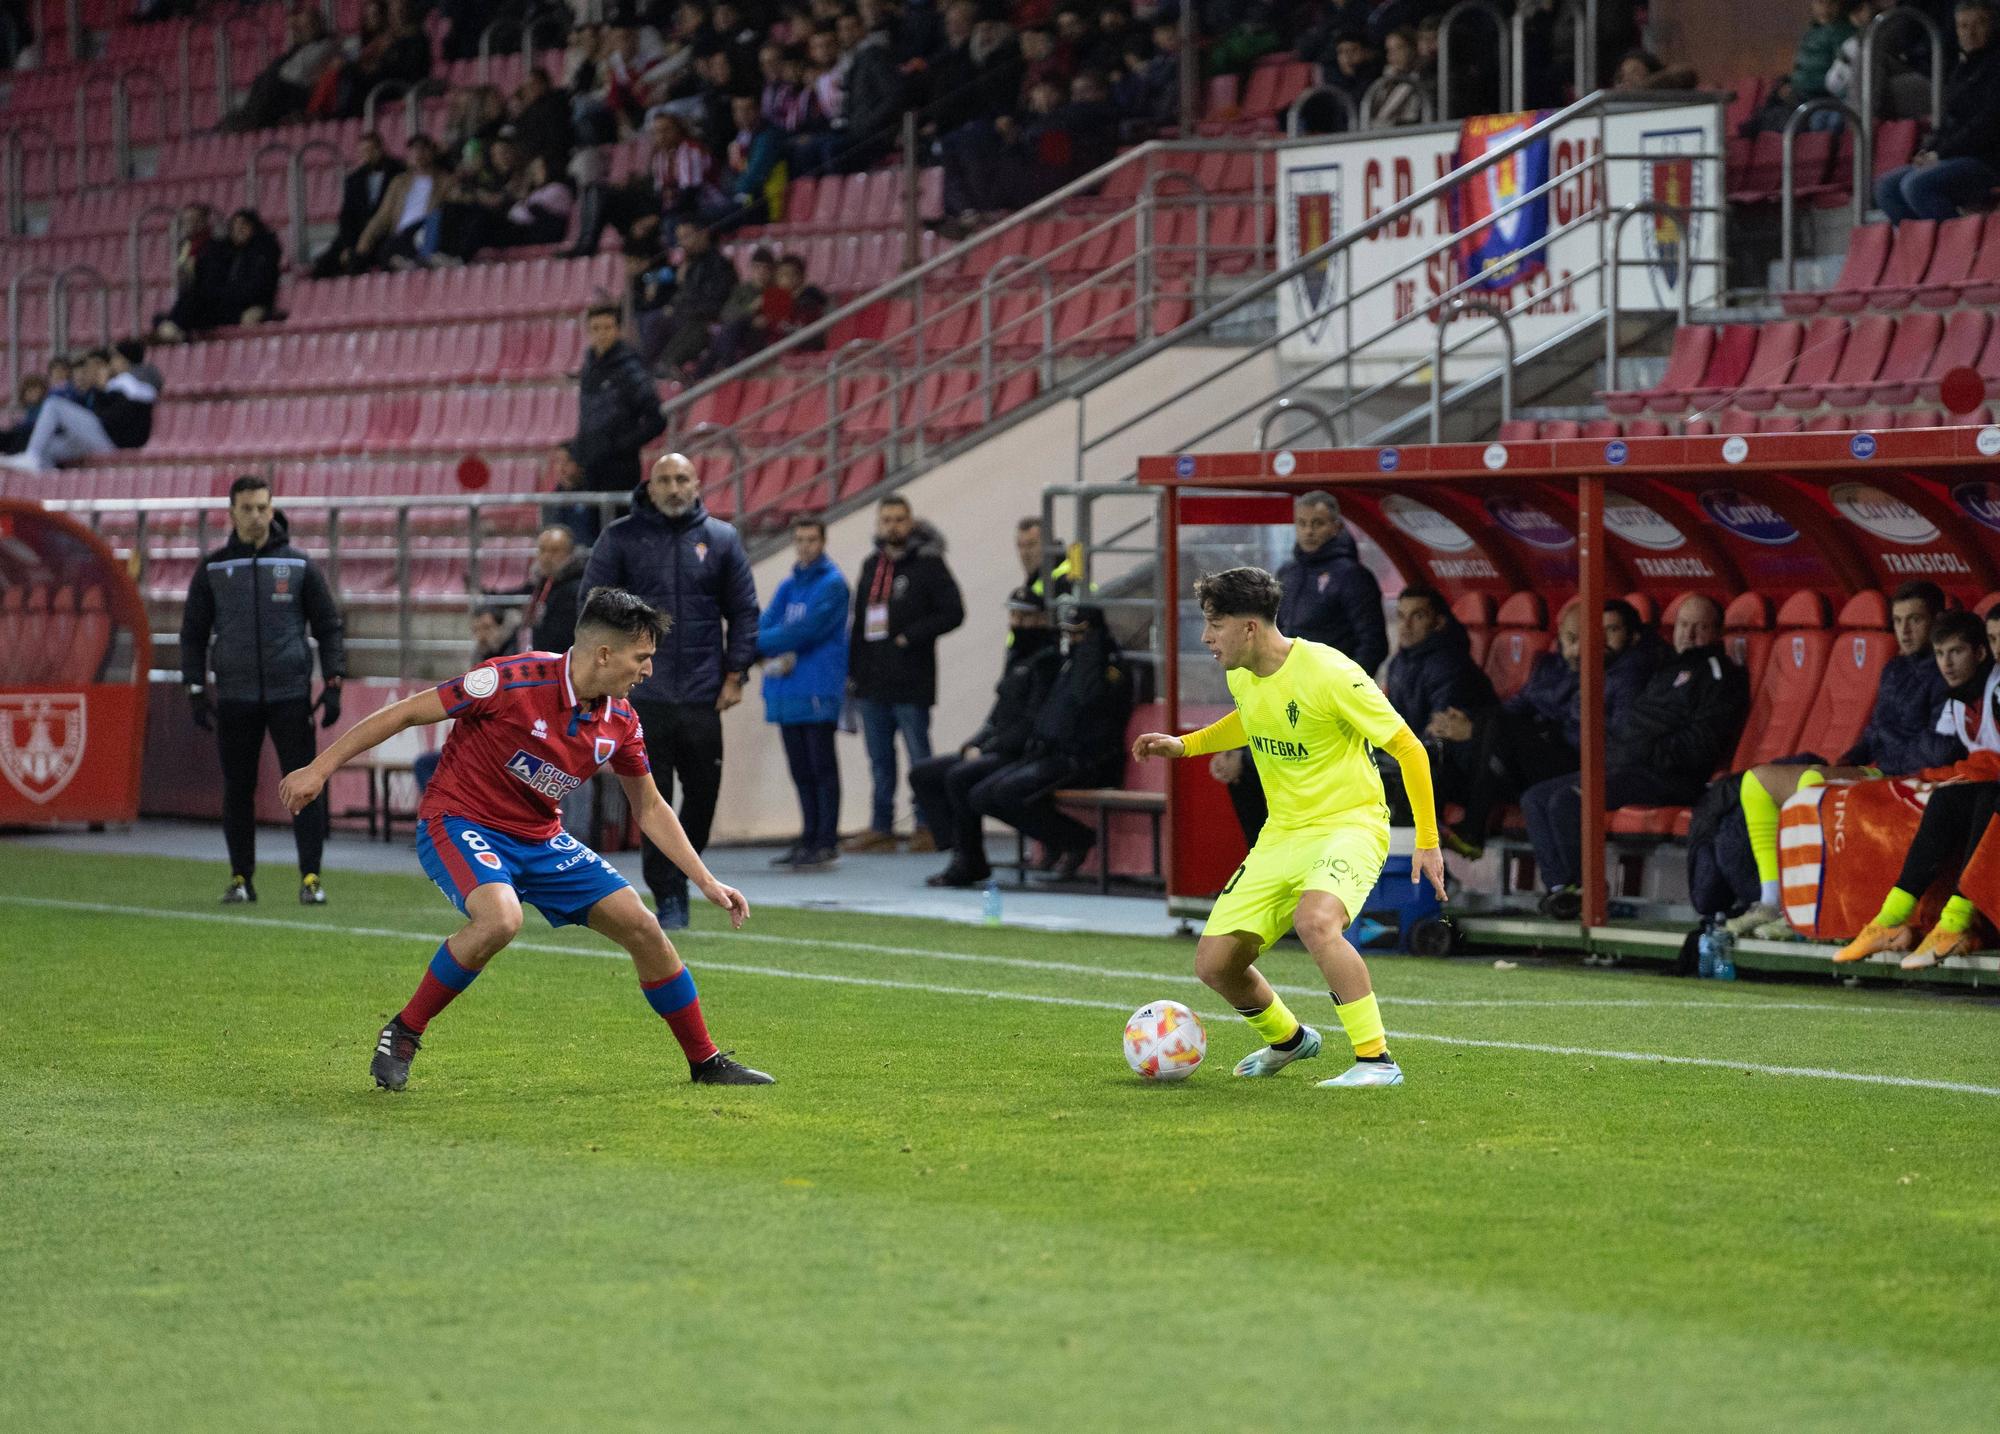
(1875, 938)
(1937, 946)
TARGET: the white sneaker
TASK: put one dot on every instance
(1270, 1060)
(1759, 915)
(1367, 1073)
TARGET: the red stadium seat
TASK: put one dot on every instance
(1685, 366)
(1861, 360)
(1521, 635)
(1860, 650)
(1746, 630)
(1783, 689)
(1860, 271)
(1819, 356)
(1474, 612)
(1960, 345)
(1769, 366)
(1908, 359)
(1958, 242)
(1902, 272)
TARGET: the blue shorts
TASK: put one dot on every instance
(560, 876)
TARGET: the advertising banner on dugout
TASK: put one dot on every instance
(1666, 153)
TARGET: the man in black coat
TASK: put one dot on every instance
(705, 282)
(943, 784)
(360, 197)
(875, 100)
(1431, 675)
(257, 597)
(1077, 739)
(905, 599)
(617, 414)
(1660, 752)
(554, 589)
(691, 567)
(1960, 162)
(1329, 597)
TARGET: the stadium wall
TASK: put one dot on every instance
(974, 500)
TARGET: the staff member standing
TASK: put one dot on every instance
(691, 567)
(255, 598)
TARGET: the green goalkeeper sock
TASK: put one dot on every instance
(1957, 915)
(1897, 908)
(1760, 819)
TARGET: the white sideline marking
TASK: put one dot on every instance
(1035, 998)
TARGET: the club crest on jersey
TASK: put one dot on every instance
(701, 552)
(545, 777)
(602, 748)
(1292, 713)
(41, 742)
(487, 859)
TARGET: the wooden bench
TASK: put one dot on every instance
(1106, 800)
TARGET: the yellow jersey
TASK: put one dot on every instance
(1311, 727)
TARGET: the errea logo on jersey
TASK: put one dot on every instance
(545, 777)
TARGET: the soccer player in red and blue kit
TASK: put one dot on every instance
(526, 732)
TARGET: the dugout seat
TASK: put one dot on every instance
(1521, 635)
(1861, 648)
(1786, 683)
(1746, 631)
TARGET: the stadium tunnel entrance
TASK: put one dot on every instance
(1799, 537)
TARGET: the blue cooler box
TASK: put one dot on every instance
(1396, 905)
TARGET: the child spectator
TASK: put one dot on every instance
(1818, 48)
(114, 412)
(28, 398)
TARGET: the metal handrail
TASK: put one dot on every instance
(184, 53)
(225, 54)
(1146, 247)
(16, 174)
(297, 189)
(411, 92)
(91, 76)
(1902, 14)
(1583, 46)
(704, 434)
(48, 278)
(133, 232)
(1295, 116)
(1303, 405)
(527, 26)
(1681, 214)
(1503, 38)
(1864, 165)
(1455, 308)
(1387, 84)
(59, 305)
(121, 114)
(252, 191)
(996, 279)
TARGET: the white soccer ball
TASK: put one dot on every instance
(1165, 1041)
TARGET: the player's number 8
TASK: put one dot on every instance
(473, 840)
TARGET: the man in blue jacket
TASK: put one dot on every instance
(802, 639)
(691, 567)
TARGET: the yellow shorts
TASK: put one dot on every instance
(1261, 897)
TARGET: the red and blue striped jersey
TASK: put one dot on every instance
(520, 743)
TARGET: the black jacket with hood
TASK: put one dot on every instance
(924, 604)
(617, 414)
(1331, 597)
(1427, 677)
(257, 605)
(1083, 717)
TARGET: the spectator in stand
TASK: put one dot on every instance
(1960, 163)
(1901, 737)
(474, 117)
(1329, 596)
(617, 414)
(943, 785)
(116, 412)
(392, 46)
(1077, 739)
(874, 98)
(539, 114)
(542, 204)
(1248, 32)
(779, 93)
(905, 600)
(784, 304)
(62, 377)
(755, 173)
(1904, 93)
(280, 92)
(1826, 31)
(649, 286)
(1042, 60)
(473, 205)
(28, 398)
(740, 325)
(360, 196)
(692, 568)
(1643, 70)
(1660, 752)
(1355, 68)
(824, 77)
(1148, 93)
(1404, 100)
(235, 282)
(704, 282)
(974, 74)
(802, 642)
(675, 181)
(407, 205)
(996, 165)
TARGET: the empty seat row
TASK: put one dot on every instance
(1922, 262)
(1822, 163)
(278, 361)
(476, 291)
(455, 419)
(49, 636)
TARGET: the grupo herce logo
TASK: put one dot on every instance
(1747, 517)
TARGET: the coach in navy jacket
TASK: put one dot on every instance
(1329, 595)
(691, 567)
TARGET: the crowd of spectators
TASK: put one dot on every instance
(95, 404)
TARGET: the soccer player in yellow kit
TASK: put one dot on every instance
(1309, 716)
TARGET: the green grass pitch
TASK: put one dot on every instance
(957, 1211)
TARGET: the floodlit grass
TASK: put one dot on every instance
(957, 1211)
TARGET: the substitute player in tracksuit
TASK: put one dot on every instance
(249, 608)
(527, 731)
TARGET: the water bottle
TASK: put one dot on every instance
(1725, 956)
(1705, 946)
(989, 903)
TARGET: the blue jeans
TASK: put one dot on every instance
(1937, 191)
(880, 722)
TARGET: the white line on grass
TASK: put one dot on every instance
(1038, 998)
(1070, 968)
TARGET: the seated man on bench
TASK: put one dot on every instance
(1078, 739)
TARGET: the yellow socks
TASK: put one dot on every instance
(1760, 819)
(1275, 1023)
(1897, 908)
(1362, 1021)
(1957, 915)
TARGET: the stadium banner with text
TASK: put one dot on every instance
(74, 651)
(1660, 153)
